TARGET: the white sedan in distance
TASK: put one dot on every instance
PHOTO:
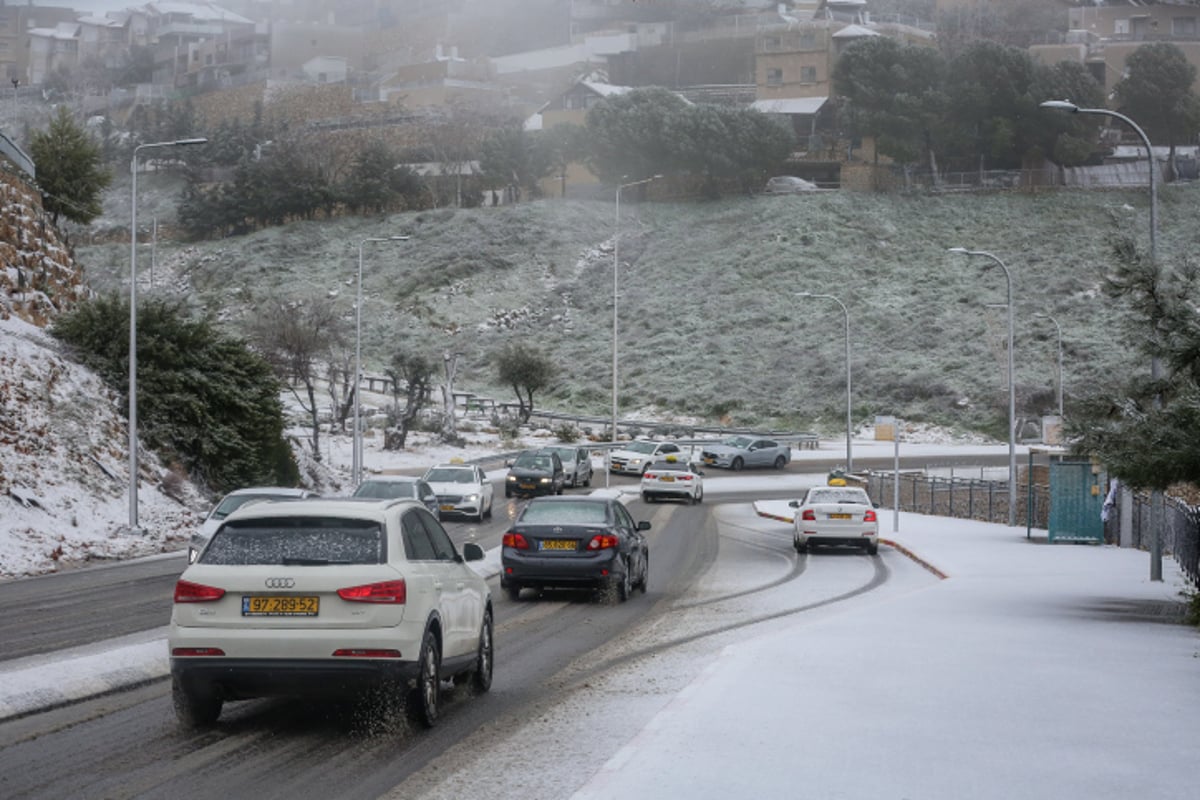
(673, 479)
(835, 515)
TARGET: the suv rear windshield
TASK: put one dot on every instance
(297, 541)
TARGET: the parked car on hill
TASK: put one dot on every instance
(329, 598)
(738, 452)
(535, 472)
(575, 542)
(788, 184)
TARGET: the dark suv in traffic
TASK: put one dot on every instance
(534, 473)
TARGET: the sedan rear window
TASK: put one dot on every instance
(838, 496)
(578, 513)
(386, 490)
(297, 541)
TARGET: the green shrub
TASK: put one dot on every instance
(566, 432)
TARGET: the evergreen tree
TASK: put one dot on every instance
(70, 169)
(204, 399)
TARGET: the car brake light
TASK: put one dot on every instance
(684, 478)
(603, 541)
(394, 592)
(197, 651)
(514, 539)
(869, 516)
(356, 652)
(651, 476)
(809, 515)
(188, 592)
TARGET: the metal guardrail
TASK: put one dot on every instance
(13, 152)
(667, 430)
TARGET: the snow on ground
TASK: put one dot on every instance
(64, 464)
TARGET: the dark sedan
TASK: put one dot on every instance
(575, 542)
(533, 473)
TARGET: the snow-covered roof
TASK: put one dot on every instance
(606, 89)
(854, 32)
(206, 12)
(790, 105)
(63, 30)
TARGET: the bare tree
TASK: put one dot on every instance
(298, 339)
(411, 374)
(449, 421)
(339, 376)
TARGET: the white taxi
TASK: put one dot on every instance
(835, 515)
(673, 479)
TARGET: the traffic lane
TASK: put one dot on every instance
(86, 605)
(128, 744)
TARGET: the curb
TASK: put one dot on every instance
(889, 542)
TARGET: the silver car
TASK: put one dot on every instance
(576, 461)
(235, 500)
(738, 452)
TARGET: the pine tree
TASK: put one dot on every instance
(70, 169)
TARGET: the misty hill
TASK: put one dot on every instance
(710, 327)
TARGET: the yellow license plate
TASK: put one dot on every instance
(558, 544)
(447, 507)
(667, 479)
(839, 516)
(279, 606)
(709, 460)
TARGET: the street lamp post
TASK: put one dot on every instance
(1012, 386)
(1156, 495)
(1058, 331)
(133, 455)
(849, 407)
(616, 276)
(356, 459)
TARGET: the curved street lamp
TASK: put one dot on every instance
(356, 458)
(616, 274)
(1156, 495)
(849, 411)
(1012, 386)
(133, 455)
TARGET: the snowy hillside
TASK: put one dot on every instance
(64, 466)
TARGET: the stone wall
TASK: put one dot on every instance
(38, 276)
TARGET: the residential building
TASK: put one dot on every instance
(16, 19)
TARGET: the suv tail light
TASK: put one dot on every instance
(394, 592)
(809, 515)
(869, 516)
(603, 541)
(514, 539)
(188, 592)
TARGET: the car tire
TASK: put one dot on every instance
(491, 503)
(588, 481)
(700, 495)
(647, 498)
(737, 464)
(195, 708)
(641, 584)
(801, 547)
(513, 590)
(424, 701)
(872, 548)
(780, 462)
(481, 676)
(507, 492)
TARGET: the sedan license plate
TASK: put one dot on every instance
(279, 606)
(709, 460)
(447, 507)
(526, 486)
(839, 516)
(556, 544)
(667, 479)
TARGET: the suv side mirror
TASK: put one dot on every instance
(472, 552)
(644, 525)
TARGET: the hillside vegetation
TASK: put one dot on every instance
(710, 326)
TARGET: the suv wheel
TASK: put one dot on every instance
(780, 462)
(195, 708)
(872, 548)
(425, 698)
(513, 590)
(481, 678)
